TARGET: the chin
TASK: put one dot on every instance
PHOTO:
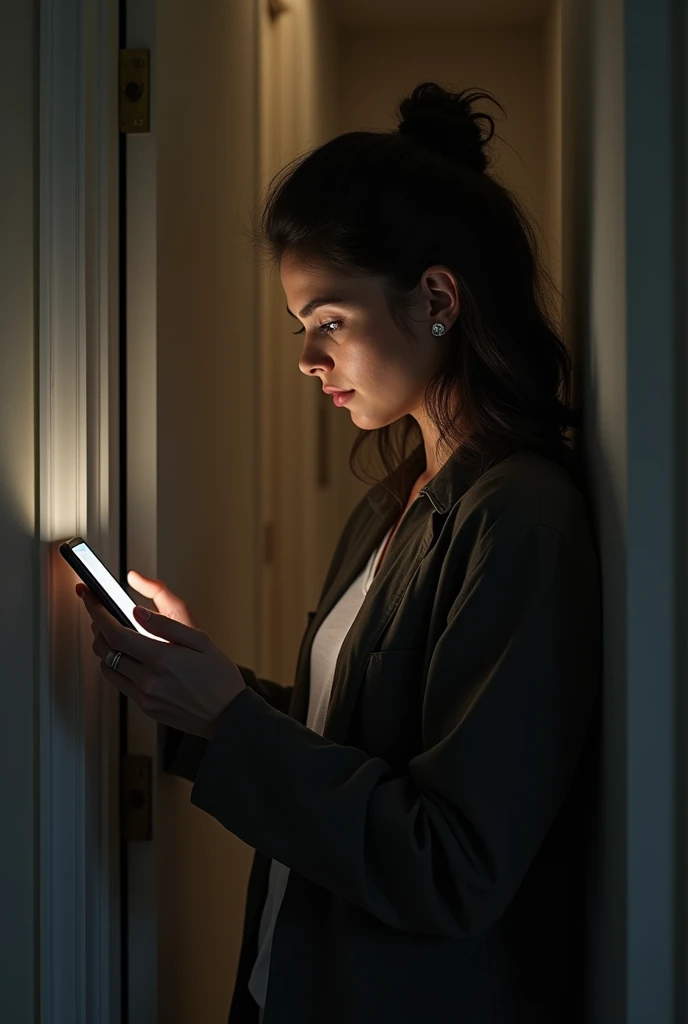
(373, 422)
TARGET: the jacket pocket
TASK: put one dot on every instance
(388, 712)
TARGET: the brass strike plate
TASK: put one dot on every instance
(137, 801)
(134, 91)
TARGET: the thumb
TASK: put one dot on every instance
(171, 629)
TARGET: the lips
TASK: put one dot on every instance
(337, 391)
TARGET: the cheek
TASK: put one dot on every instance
(388, 366)
(389, 388)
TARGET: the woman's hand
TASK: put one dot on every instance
(186, 683)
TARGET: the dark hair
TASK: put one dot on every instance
(390, 204)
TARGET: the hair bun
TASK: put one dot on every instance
(445, 123)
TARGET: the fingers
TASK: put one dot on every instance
(172, 630)
(123, 684)
(165, 601)
(144, 585)
(127, 667)
(121, 638)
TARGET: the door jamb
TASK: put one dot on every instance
(77, 479)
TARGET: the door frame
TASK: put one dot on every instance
(77, 473)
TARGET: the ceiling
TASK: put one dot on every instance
(427, 13)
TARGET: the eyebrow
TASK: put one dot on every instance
(313, 305)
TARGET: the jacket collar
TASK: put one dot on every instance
(446, 487)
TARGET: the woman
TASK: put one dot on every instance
(417, 800)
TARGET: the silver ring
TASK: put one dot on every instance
(112, 659)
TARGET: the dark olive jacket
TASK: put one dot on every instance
(436, 832)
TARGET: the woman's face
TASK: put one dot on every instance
(352, 343)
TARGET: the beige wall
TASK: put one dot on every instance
(382, 67)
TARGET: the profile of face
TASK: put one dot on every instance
(352, 343)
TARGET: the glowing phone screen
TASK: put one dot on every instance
(110, 584)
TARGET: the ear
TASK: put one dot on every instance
(442, 293)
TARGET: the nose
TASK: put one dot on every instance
(312, 359)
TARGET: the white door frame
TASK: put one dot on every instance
(77, 473)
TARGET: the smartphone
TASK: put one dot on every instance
(100, 580)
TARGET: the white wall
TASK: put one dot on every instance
(19, 576)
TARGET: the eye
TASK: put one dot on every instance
(324, 328)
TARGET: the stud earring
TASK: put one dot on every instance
(438, 330)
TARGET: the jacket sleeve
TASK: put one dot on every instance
(275, 694)
(182, 752)
(508, 699)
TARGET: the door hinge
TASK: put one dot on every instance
(137, 797)
(134, 91)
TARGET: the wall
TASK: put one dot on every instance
(593, 273)
(19, 578)
(382, 67)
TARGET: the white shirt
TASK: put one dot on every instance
(325, 650)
